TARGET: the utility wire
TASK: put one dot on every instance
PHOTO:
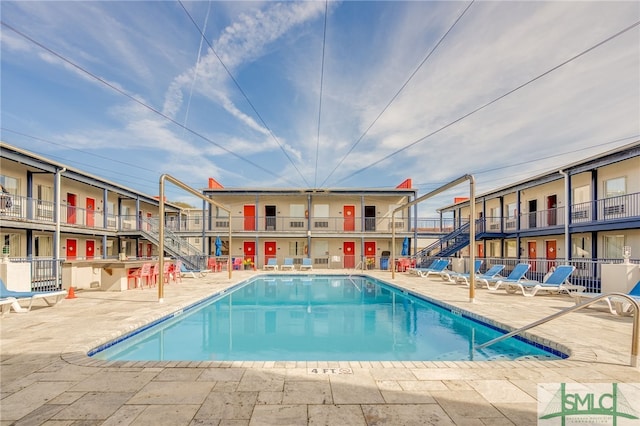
(549, 71)
(195, 71)
(138, 101)
(324, 43)
(284, 151)
(433, 49)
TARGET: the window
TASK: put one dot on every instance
(43, 246)
(9, 184)
(511, 248)
(320, 248)
(321, 210)
(296, 248)
(612, 246)
(494, 249)
(11, 243)
(615, 187)
(511, 210)
(296, 210)
(581, 194)
(580, 247)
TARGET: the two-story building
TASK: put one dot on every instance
(586, 213)
(333, 227)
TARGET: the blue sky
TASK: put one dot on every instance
(131, 90)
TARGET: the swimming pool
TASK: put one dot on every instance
(315, 317)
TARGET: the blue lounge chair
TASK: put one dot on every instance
(271, 265)
(288, 264)
(437, 269)
(416, 271)
(555, 283)
(31, 296)
(449, 276)
(515, 276)
(306, 264)
(490, 274)
(186, 272)
(617, 306)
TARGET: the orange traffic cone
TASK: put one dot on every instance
(71, 294)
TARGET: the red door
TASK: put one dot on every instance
(551, 252)
(72, 249)
(480, 250)
(552, 212)
(250, 250)
(370, 252)
(90, 247)
(250, 218)
(71, 208)
(349, 213)
(533, 254)
(91, 208)
(149, 250)
(149, 222)
(349, 249)
(269, 251)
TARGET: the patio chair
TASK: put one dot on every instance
(439, 268)
(271, 265)
(617, 306)
(416, 271)
(490, 274)
(306, 264)
(138, 274)
(191, 273)
(516, 275)
(556, 282)
(237, 264)
(10, 302)
(51, 298)
(288, 264)
(449, 276)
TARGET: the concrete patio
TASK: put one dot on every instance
(47, 379)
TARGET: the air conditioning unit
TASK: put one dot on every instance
(222, 224)
(296, 224)
(494, 226)
(614, 210)
(321, 224)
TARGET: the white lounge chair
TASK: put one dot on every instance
(516, 275)
(8, 303)
(288, 264)
(50, 297)
(617, 306)
(271, 265)
(490, 274)
(449, 276)
(556, 282)
(417, 271)
(306, 264)
(191, 273)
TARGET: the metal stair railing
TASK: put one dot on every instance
(635, 334)
(173, 243)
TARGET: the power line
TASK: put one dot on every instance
(243, 93)
(433, 49)
(584, 52)
(138, 101)
(324, 43)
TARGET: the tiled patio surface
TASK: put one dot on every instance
(46, 378)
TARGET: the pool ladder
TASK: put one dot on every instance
(351, 273)
(635, 333)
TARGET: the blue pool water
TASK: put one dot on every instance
(276, 317)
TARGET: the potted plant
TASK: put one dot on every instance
(371, 262)
(248, 264)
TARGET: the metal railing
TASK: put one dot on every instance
(635, 337)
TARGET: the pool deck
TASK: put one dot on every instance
(47, 379)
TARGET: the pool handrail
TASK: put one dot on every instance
(635, 336)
